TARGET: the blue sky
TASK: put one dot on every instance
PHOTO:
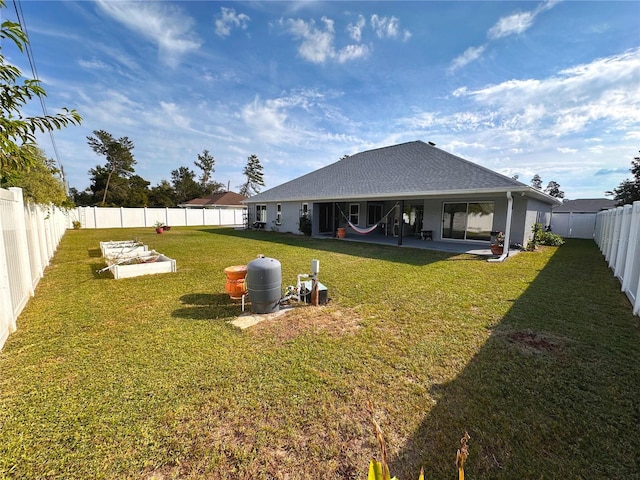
(549, 88)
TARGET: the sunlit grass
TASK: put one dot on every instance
(146, 378)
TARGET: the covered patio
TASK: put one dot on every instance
(412, 242)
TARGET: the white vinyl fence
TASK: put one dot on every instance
(618, 236)
(30, 236)
(114, 217)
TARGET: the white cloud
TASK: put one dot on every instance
(165, 25)
(355, 31)
(386, 27)
(544, 119)
(513, 24)
(230, 19)
(352, 52)
(317, 45)
(171, 111)
(470, 54)
(108, 107)
(567, 150)
(93, 64)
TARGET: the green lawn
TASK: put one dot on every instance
(537, 358)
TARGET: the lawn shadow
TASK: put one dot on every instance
(100, 272)
(94, 253)
(391, 253)
(551, 394)
(207, 306)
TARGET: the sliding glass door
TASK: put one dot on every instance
(467, 220)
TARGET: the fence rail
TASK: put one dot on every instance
(618, 235)
(30, 236)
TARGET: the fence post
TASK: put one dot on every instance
(7, 319)
(21, 238)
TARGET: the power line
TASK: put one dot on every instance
(34, 72)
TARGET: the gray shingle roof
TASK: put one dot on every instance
(585, 205)
(413, 168)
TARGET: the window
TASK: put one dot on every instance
(305, 210)
(354, 213)
(261, 213)
(278, 214)
(374, 213)
(467, 221)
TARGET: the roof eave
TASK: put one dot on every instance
(524, 190)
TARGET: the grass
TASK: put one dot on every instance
(536, 358)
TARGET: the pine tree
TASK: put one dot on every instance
(120, 160)
(536, 182)
(553, 189)
(255, 180)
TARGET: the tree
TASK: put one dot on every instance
(120, 160)
(206, 163)
(184, 185)
(81, 199)
(253, 172)
(162, 195)
(17, 130)
(138, 192)
(41, 183)
(629, 190)
(536, 182)
(553, 189)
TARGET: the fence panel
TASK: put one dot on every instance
(29, 237)
(618, 236)
(110, 217)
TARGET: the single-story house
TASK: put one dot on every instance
(412, 189)
(217, 200)
(577, 218)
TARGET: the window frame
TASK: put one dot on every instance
(355, 215)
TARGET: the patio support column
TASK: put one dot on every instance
(401, 222)
(507, 231)
(507, 228)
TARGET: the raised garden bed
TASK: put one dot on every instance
(147, 263)
(130, 258)
(121, 249)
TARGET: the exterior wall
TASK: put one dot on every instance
(432, 218)
(289, 218)
(526, 212)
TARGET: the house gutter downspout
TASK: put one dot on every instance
(507, 231)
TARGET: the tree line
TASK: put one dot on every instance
(115, 183)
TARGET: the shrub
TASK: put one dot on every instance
(76, 224)
(304, 225)
(542, 237)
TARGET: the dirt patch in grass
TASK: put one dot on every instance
(530, 342)
(330, 320)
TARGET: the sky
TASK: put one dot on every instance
(548, 87)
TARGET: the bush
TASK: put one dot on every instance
(304, 225)
(542, 237)
(76, 225)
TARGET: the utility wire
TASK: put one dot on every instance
(34, 72)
